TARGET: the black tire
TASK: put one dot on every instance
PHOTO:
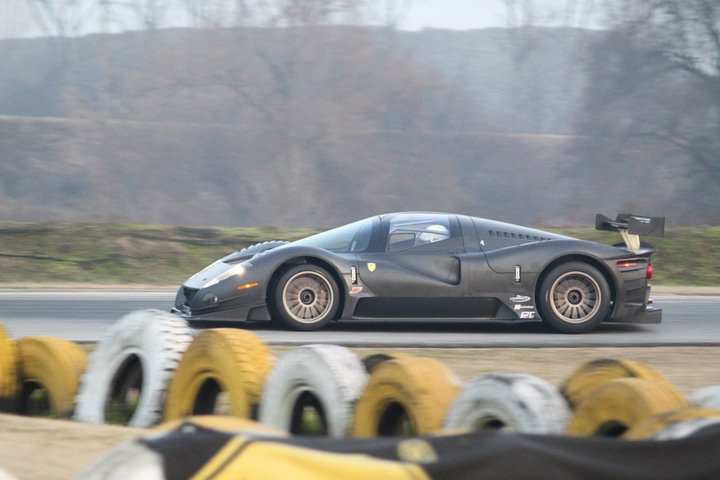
(574, 298)
(306, 297)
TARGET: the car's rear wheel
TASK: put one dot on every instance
(306, 297)
(574, 298)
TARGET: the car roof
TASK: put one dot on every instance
(495, 226)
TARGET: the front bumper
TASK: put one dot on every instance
(220, 303)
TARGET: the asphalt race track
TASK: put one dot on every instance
(85, 315)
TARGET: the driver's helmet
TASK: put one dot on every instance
(432, 234)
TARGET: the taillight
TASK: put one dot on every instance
(627, 264)
(649, 271)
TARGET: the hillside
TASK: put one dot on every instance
(312, 127)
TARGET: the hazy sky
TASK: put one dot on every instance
(16, 16)
(454, 14)
(471, 14)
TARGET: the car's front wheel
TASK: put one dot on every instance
(574, 298)
(306, 297)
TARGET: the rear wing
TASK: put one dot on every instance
(631, 227)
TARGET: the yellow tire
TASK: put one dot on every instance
(220, 362)
(592, 374)
(405, 396)
(8, 372)
(52, 365)
(675, 424)
(618, 405)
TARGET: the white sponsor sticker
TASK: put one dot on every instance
(524, 307)
(520, 299)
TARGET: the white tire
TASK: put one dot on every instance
(327, 377)
(131, 460)
(680, 423)
(706, 397)
(514, 402)
(5, 476)
(140, 351)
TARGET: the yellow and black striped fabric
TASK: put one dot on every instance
(196, 452)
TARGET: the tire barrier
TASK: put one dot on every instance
(50, 371)
(372, 361)
(189, 451)
(223, 423)
(325, 390)
(405, 396)
(708, 397)
(8, 372)
(220, 362)
(312, 390)
(130, 369)
(513, 402)
(618, 405)
(675, 424)
(592, 374)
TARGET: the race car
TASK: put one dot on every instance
(423, 265)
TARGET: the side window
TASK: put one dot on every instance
(418, 230)
(361, 240)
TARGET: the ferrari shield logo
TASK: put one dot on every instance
(371, 266)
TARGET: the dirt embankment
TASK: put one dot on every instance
(37, 448)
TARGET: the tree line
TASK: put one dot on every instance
(622, 118)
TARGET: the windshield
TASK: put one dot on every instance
(351, 238)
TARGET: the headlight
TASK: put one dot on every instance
(234, 271)
(204, 271)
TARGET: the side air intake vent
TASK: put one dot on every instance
(496, 233)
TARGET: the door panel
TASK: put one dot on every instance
(412, 275)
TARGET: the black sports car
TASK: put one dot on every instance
(433, 266)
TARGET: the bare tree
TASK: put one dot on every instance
(62, 17)
(536, 82)
(654, 86)
(571, 13)
(149, 14)
(396, 11)
(273, 13)
(687, 34)
(75, 17)
(219, 13)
